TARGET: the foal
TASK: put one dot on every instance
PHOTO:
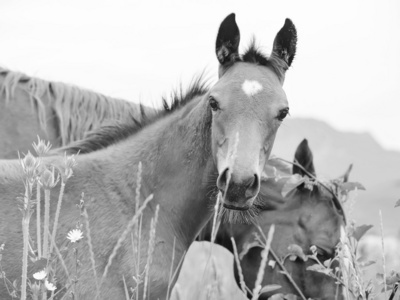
(225, 132)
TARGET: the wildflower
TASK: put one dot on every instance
(75, 235)
(40, 275)
(48, 180)
(49, 286)
(41, 148)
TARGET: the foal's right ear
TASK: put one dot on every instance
(228, 38)
(304, 157)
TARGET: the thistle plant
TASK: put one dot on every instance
(48, 181)
(37, 174)
(30, 166)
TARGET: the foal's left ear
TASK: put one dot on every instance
(228, 38)
(304, 157)
(285, 42)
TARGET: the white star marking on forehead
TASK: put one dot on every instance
(251, 87)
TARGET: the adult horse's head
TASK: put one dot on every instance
(248, 105)
(310, 215)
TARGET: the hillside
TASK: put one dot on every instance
(376, 168)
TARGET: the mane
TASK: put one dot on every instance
(254, 55)
(69, 103)
(111, 134)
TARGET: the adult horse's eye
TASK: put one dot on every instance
(323, 254)
(213, 104)
(283, 113)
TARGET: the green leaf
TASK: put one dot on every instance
(379, 276)
(359, 231)
(296, 250)
(293, 182)
(393, 278)
(247, 246)
(327, 263)
(291, 297)
(365, 263)
(280, 165)
(279, 296)
(319, 268)
(397, 203)
(350, 186)
(269, 288)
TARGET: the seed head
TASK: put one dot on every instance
(70, 163)
(48, 179)
(41, 147)
(30, 165)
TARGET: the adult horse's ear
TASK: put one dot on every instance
(285, 42)
(304, 157)
(228, 38)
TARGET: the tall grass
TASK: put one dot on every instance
(44, 178)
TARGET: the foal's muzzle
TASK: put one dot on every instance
(238, 193)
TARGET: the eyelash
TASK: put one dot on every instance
(213, 104)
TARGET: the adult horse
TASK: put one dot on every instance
(307, 216)
(224, 132)
(57, 112)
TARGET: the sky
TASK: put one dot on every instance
(346, 71)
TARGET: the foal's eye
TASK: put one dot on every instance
(213, 104)
(283, 113)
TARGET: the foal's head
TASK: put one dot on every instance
(248, 105)
(308, 216)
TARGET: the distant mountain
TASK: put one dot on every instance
(373, 166)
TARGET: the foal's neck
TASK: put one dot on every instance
(176, 164)
(186, 165)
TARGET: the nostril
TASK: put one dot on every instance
(253, 187)
(222, 180)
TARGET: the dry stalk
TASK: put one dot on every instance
(236, 256)
(123, 236)
(264, 258)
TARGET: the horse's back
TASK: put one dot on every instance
(54, 111)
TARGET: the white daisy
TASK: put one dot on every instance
(49, 286)
(75, 235)
(40, 275)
